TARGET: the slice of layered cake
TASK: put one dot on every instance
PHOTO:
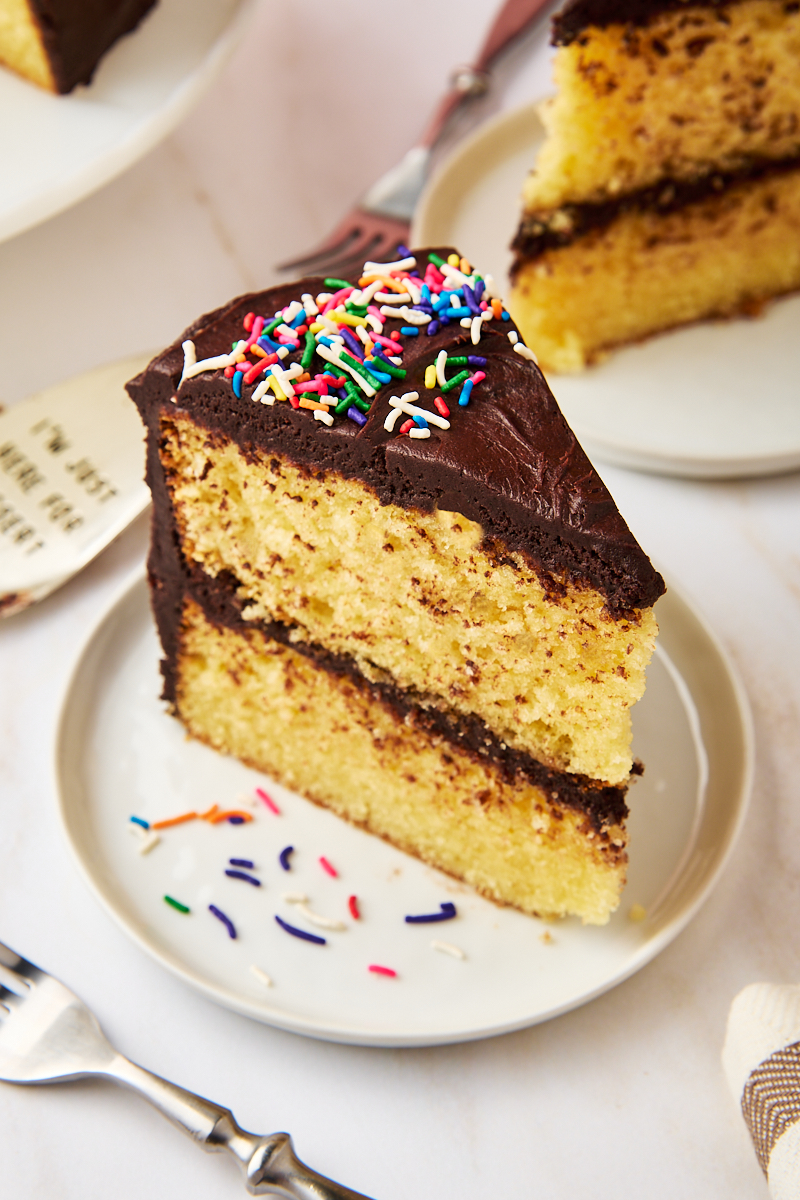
(668, 187)
(385, 573)
(58, 43)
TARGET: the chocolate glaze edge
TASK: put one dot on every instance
(535, 234)
(76, 35)
(173, 581)
(509, 461)
(577, 15)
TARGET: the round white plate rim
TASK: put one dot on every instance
(517, 123)
(111, 162)
(349, 1035)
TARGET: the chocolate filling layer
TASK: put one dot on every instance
(539, 232)
(173, 581)
(577, 15)
(509, 461)
(76, 33)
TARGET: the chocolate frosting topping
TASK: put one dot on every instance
(577, 15)
(76, 33)
(508, 461)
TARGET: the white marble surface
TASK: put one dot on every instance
(622, 1099)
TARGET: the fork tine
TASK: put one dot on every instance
(7, 998)
(17, 964)
(360, 235)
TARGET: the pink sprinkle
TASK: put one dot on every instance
(326, 866)
(258, 325)
(376, 312)
(352, 904)
(435, 274)
(376, 970)
(270, 803)
(409, 424)
(395, 347)
(479, 377)
(440, 406)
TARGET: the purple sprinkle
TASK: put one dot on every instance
(242, 862)
(354, 415)
(283, 857)
(403, 252)
(472, 304)
(352, 342)
(244, 875)
(236, 820)
(226, 921)
(479, 289)
(476, 360)
(447, 914)
(301, 933)
(432, 328)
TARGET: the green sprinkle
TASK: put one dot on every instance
(358, 310)
(390, 369)
(176, 904)
(361, 404)
(343, 405)
(436, 260)
(308, 353)
(455, 381)
(311, 396)
(338, 284)
(458, 360)
(362, 370)
(272, 325)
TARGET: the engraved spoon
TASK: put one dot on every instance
(71, 479)
(47, 1035)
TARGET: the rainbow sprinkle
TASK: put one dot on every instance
(226, 921)
(301, 933)
(378, 970)
(283, 857)
(332, 354)
(447, 913)
(182, 908)
(328, 867)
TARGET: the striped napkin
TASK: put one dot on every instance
(761, 1058)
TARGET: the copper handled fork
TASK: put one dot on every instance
(381, 221)
(47, 1034)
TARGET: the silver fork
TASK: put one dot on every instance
(47, 1035)
(381, 221)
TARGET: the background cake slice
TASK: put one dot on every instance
(668, 187)
(433, 624)
(58, 43)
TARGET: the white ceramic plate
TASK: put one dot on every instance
(714, 400)
(54, 150)
(119, 754)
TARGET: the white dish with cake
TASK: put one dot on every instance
(119, 754)
(712, 400)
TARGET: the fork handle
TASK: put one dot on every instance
(269, 1163)
(512, 19)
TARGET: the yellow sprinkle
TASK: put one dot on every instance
(348, 319)
(453, 259)
(465, 268)
(317, 327)
(276, 387)
(637, 913)
(430, 376)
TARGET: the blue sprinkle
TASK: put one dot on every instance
(420, 421)
(141, 821)
(242, 862)
(266, 343)
(236, 820)
(425, 292)
(447, 914)
(301, 933)
(476, 360)
(409, 330)
(432, 328)
(356, 416)
(237, 384)
(506, 315)
(226, 921)
(464, 395)
(243, 875)
(458, 313)
(299, 319)
(283, 857)
(380, 376)
(326, 341)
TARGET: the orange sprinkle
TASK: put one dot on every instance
(394, 284)
(189, 816)
(231, 812)
(465, 268)
(497, 309)
(313, 404)
(259, 350)
(304, 378)
(209, 812)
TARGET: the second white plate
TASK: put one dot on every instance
(714, 400)
(119, 755)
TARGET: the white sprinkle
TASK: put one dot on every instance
(513, 336)
(372, 320)
(295, 897)
(525, 352)
(284, 380)
(335, 358)
(441, 363)
(475, 330)
(447, 948)
(309, 305)
(457, 276)
(465, 322)
(416, 432)
(291, 311)
(402, 264)
(317, 919)
(327, 322)
(454, 301)
(411, 410)
(395, 358)
(369, 292)
(260, 975)
(392, 297)
(487, 315)
(362, 334)
(211, 364)
(263, 393)
(284, 352)
(189, 357)
(146, 838)
(326, 418)
(391, 420)
(412, 316)
(490, 287)
(414, 290)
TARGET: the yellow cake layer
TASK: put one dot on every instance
(344, 748)
(627, 114)
(21, 44)
(645, 272)
(412, 596)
